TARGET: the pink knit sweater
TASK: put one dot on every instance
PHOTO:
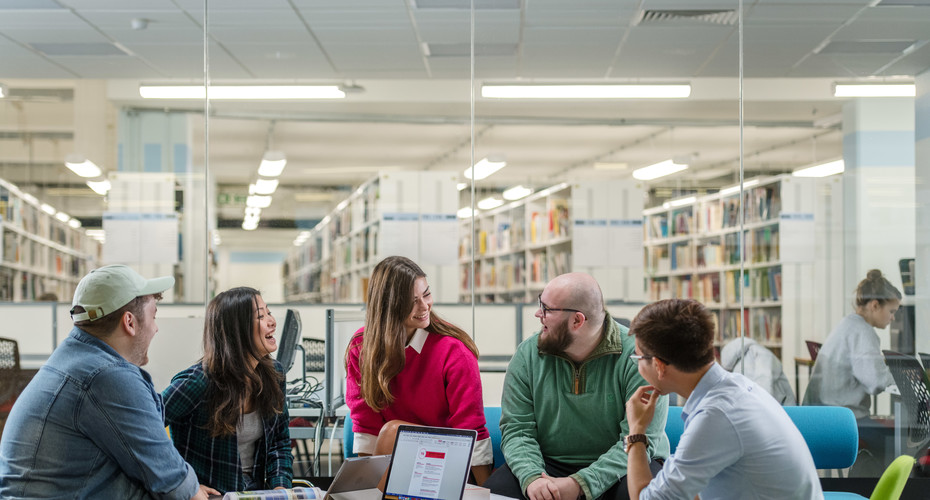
(439, 386)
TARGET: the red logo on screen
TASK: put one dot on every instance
(435, 454)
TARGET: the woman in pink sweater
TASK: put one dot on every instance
(408, 366)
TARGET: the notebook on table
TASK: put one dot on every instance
(429, 463)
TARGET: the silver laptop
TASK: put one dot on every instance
(357, 478)
(429, 463)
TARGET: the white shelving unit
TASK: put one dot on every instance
(590, 227)
(692, 251)
(404, 213)
(40, 254)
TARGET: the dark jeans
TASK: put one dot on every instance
(503, 482)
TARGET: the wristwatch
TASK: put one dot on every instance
(634, 438)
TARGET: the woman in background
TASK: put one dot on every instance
(850, 367)
(227, 413)
(408, 366)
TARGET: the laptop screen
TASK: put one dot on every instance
(429, 463)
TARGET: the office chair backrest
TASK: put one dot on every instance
(891, 484)
(832, 446)
(813, 348)
(911, 380)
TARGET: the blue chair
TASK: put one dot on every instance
(492, 415)
(829, 431)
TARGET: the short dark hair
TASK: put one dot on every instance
(103, 327)
(678, 331)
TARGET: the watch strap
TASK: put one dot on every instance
(631, 439)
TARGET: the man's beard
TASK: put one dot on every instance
(556, 339)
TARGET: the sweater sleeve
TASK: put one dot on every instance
(868, 364)
(186, 391)
(519, 441)
(463, 392)
(364, 420)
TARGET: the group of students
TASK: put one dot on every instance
(91, 425)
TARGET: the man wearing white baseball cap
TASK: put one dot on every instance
(90, 424)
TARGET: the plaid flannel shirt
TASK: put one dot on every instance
(216, 460)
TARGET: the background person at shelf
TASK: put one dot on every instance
(737, 441)
(227, 413)
(562, 413)
(850, 366)
(408, 366)
(757, 363)
(90, 424)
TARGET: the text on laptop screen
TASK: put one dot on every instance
(429, 465)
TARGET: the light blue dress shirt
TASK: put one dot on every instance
(738, 443)
(90, 425)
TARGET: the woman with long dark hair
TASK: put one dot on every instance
(227, 414)
(409, 366)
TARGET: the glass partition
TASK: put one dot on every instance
(656, 197)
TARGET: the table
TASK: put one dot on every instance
(318, 432)
(809, 363)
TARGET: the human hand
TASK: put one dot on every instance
(544, 489)
(204, 492)
(569, 489)
(641, 408)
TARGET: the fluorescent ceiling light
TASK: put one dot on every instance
(822, 170)
(48, 209)
(273, 163)
(99, 187)
(250, 224)
(62, 216)
(875, 90)
(464, 213)
(680, 202)
(74, 223)
(256, 201)
(586, 91)
(517, 192)
(4, 92)
(30, 198)
(263, 186)
(241, 92)
(733, 189)
(82, 166)
(489, 203)
(657, 170)
(484, 168)
(461, 185)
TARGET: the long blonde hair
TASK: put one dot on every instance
(382, 355)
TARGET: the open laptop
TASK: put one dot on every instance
(358, 477)
(429, 463)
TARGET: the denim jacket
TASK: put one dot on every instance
(90, 425)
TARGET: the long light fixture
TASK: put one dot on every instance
(676, 91)
(4, 91)
(465, 212)
(263, 186)
(821, 170)
(48, 209)
(733, 189)
(680, 202)
(657, 170)
(99, 187)
(82, 166)
(273, 163)
(246, 92)
(874, 90)
(484, 168)
(517, 192)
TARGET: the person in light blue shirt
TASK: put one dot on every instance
(738, 442)
(90, 424)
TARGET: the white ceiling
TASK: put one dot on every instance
(411, 58)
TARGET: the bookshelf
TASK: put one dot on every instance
(40, 254)
(692, 251)
(593, 227)
(403, 213)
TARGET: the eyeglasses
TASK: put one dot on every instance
(546, 309)
(637, 357)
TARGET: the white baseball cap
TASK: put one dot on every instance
(106, 289)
